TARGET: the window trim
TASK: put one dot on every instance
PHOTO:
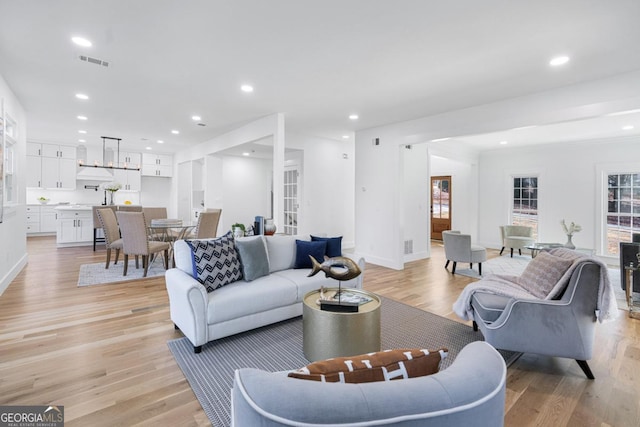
(527, 174)
(603, 170)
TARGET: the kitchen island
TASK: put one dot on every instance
(74, 225)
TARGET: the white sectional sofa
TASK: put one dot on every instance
(242, 305)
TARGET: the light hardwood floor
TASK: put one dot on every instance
(101, 350)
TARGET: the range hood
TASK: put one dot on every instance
(94, 174)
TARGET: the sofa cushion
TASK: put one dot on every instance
(381, 366)
(242, 298)
(334, 245)
(542, 274)
(303, 282)
(215, 261)
(305, 249)
(282, 251)
(253, 257)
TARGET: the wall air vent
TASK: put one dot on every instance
(408, 147)
(94, 60)
(408, 247)
(376, 141)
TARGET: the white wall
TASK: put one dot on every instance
(464, 192)
(568, 186)
(246, 189)
(328, 179)
(415, 217)
(13, 241)
(378, 168)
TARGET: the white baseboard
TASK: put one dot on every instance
(417, 256)
(11, 274)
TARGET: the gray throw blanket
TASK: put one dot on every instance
(506, 285)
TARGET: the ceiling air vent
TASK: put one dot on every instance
(94, 60)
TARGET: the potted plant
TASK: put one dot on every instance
(238, 230)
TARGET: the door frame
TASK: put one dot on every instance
(438, 225)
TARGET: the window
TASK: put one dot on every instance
(525, 202)
(623, 209)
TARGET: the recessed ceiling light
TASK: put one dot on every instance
(81, 41)
(559, 60)
(245, 153)
(196, 118)
(148, 148)
(345, 136)
(160, 141)
(175, 132)
(246, 88)
(82, 131)
(353, 117)
(439, 139)
(504, 142)
(82, 140)
(82, 117)
(82, 96)
(628, 127)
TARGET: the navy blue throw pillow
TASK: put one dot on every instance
(304, 249)
(334, 245)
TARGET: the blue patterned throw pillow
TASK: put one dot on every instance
(215, 261)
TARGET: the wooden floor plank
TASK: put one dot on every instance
(101, 350)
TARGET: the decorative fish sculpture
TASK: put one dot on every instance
(339, 268)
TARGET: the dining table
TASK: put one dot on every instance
(169, 230)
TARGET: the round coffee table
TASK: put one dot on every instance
(329, 334)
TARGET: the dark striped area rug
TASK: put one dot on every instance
(278, 347)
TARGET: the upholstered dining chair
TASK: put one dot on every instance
(97, 225)
(135, 241)
(151, 214)
(109, 224)
(458, 248)
(207, 226)
(516, 237)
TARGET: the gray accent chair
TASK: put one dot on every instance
(469, 392)
(516, 237)
(564, 327)
(458, 248)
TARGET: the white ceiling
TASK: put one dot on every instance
(316, 62)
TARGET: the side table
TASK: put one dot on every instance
(628, 289)
(327, 334)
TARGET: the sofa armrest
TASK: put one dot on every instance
(188, 301)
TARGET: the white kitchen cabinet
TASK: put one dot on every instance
(33, 219)
(48, 219)
(129, 160)
(41, 219)
(129, 179)
(160, 165)
(74, 227)
(34, 171)
(51, 166)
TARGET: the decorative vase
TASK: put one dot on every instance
(269, 227)
(569, 243)
(111, 197)
(237, 232)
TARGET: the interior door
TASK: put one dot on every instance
(440, 205)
